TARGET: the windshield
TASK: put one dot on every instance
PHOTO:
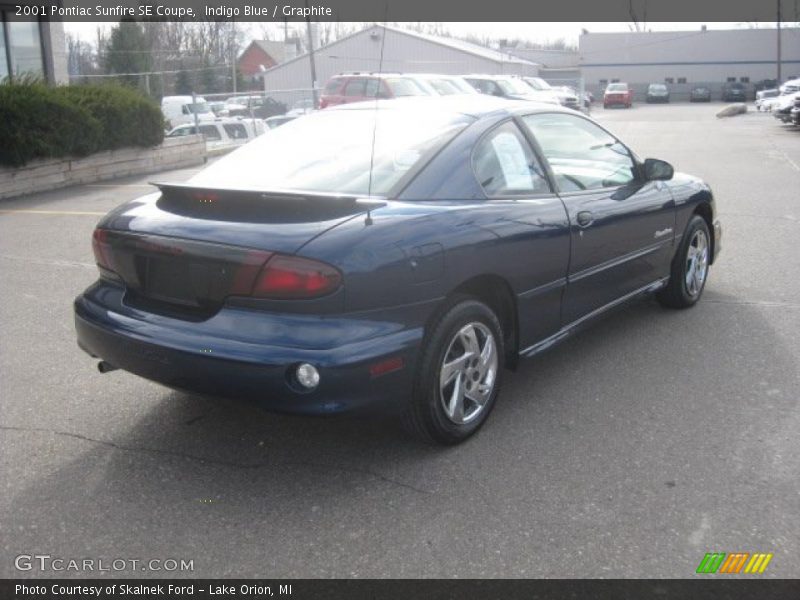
(538, 84)
(443, 87)
(462, 85)
(405, 87)
(330, 151)
(658, 87)
(513, 86)
(617, 87)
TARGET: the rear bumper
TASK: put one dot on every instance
(249, 354)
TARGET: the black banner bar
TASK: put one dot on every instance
(733, 588)
(407, 10)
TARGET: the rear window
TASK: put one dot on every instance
(331, 152)
(617, 87)
(235, 131)
(210, 132)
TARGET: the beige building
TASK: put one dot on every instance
(685, 59)
(401, 51)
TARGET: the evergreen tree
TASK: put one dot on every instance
(183, 83)
(128, 51)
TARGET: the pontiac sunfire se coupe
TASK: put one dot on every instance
(391, 256)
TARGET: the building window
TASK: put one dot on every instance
(615, 81)
(669, 80)
(3, 51)
(681, 79)
(731, 79)
(603, 82)
(744, 79)
(21, 51)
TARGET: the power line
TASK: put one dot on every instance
(170, 72)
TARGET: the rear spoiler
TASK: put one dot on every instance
(251, 205)
(211, 194)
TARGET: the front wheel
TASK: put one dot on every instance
(460, 370)
(689, 267)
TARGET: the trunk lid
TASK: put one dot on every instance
(185, 250)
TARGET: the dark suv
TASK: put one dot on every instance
(357, 87)
(259, 107)
(734, 92)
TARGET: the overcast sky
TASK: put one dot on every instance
(538, 32)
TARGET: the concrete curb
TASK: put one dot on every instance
(51, 174)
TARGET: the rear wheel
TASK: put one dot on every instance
(460, 371)
(689, 267)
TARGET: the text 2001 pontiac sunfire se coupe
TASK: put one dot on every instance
(391, 256)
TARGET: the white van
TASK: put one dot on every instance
(223, 133)
(181, 109)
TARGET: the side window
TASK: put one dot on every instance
(356, 87)
(371, 88)
(582, 155)
(210, 132)
(334, 86)
(506, 166)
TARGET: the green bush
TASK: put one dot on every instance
(38, 121)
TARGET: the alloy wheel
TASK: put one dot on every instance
(468, 373)
(696, 263)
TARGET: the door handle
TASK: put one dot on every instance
(585, 218)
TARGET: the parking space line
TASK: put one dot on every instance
(25, 211)
(119, 185)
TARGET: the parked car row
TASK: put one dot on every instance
(618, 93)
(787, 109)
(347, 88)
(778, 100)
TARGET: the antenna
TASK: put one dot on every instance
(377, 93)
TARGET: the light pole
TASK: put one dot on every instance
(311, 59)
(779, 41)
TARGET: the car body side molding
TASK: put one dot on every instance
(576, 325)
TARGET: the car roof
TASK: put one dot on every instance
(492, 77)
(181, 99)
(474, 106)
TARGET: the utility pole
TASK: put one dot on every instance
(233, 68)
(311, 57)
(779, 41)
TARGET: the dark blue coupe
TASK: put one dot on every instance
(391, 256)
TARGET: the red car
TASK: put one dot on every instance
(357, 87)
(618, 93)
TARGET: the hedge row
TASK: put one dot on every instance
(39, 121)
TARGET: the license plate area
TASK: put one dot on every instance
(183, 274)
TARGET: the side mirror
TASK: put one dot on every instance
(657, 170)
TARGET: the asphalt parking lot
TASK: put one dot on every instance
(631, 450)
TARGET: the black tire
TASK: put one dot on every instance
(677, 293)
(426, 417)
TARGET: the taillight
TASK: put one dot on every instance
(288, 277)
(102, 249)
